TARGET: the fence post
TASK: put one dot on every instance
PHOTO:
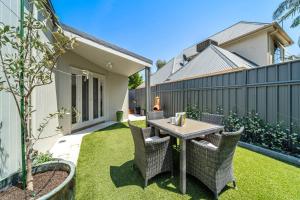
(147, 89)
(290, 106)
(246, 91)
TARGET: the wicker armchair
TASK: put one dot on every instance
(156, 115)
(212, 118)
(160, 115)
(151, 157)
(211, 162)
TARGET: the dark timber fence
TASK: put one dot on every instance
(273, 91)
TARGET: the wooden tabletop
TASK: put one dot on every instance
(191, 129)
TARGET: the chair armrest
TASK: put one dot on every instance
(204, 147)
(148, 132)
(207, 155)
(213, 138)
(157, 144)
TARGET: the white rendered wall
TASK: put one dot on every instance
(254, 48)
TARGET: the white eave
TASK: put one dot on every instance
(102, 53)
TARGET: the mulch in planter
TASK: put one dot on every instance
(42, 183)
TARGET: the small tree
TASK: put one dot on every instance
(287, 9)
(29, 65)
(160, 63)
(134, 81)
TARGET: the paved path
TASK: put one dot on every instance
(134, 117)
(68, 146)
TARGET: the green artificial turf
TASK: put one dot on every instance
(105, 171)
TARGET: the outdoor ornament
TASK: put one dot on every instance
(156, 104)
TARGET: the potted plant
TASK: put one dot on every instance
(119, 115)
(23, 72)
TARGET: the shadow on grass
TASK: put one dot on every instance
(126, 175)
(116, 127)
(123, 125)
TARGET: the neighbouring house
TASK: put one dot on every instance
(242, 45)
(93, 78)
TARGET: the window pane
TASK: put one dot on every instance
(73, 90)
(101, 100)
(95, 98)
(85, 99)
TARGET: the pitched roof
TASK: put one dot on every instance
(237, 30)
(211, 60)
(162, 74)
(104, 43)
(217, 59)
(94, 39)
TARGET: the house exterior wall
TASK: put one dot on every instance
(254, 48)
(115, 88)
(10, 159)
(45, 101)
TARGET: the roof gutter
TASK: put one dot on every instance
(50, 8)
(282, 33)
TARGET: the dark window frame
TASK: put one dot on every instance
(85, 99)
(95, 97)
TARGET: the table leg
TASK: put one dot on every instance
(183, 166)
(157, 132)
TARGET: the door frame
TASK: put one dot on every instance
(101, 80)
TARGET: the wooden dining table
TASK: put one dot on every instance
(191, 129)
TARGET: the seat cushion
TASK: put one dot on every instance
(150, 139)
(206, 143)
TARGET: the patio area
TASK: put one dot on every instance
(105, 171)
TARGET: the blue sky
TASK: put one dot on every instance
(162, 28)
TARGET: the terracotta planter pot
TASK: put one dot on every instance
(63, 191)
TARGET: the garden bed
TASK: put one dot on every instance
(51, 180)
(43, 182)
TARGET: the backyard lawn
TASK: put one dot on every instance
(105, 171)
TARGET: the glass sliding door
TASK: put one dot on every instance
(85, 99)
(95, 98)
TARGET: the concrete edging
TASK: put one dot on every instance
(273, 154)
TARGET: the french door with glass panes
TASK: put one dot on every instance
(87, 99)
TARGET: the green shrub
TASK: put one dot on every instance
(232, 122)
(272, 136)
(254, 128)
(40, 158)
(193, 112)
(219, 110)
(275, 137)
